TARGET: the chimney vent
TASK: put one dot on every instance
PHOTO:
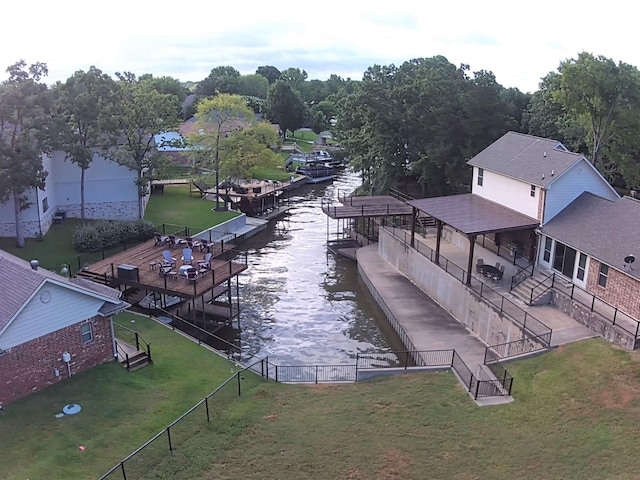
(34, 264)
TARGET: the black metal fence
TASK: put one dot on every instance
(405, 359)
(516, 348)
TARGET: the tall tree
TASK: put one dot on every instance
(217, 118)
(140, 112)
(82, 122)
(24, 122)
(248, 149)
(285, 106)
(253, 86)
(598, 90)
(269, 72)
(223, 79)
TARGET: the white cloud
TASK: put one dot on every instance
(520, 42)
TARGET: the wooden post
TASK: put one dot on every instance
(413, 226)
(472, 244)
(438, 236)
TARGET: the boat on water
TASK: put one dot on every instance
(317, 166)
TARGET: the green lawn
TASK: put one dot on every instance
(574, 416)
(120, 409)
(178, 208)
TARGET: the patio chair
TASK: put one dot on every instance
(167, 259)
(159, 238)
(172, 241)
(192, 274)
(187, 256)
(498, 265)
(479, 264)
(206, 262)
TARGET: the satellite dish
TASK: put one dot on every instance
(628, 261)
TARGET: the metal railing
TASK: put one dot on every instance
(508, 252)
(522, 318)
(133, 338)
(517, 347)
(521, 275)
(405, 359)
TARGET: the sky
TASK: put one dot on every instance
(520, 42)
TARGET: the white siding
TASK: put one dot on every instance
(580, 178)
(506, 191)
(105, 181)
(64, 308)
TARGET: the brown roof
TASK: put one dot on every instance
(18, 283)
(471, 214)
(604, 229)
(533, 160)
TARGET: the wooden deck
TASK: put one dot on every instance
(146, 258)
(360, 207)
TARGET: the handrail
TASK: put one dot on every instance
(541, 282)
(517, 278)
(230, 345)
(138, 339)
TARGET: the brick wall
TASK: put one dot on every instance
(622, 291)
(30, 367)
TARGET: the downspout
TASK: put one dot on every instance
(38, 210)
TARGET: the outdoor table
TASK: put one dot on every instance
(490, 271)
(184, 269)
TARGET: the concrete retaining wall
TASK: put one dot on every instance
(593, 320)
(481, 318)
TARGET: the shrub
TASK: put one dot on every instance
(103, 233)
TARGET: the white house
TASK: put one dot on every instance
(110, 193)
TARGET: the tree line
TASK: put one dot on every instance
(413, 124)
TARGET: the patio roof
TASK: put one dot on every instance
(473, 215)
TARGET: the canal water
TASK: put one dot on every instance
(301, 304)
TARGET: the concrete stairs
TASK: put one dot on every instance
(536, 284)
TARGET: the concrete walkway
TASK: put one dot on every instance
(426, 324)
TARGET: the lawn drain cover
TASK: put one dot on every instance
(71, 409)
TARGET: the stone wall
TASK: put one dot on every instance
(593, 320)
(480, 317)
(30, 367)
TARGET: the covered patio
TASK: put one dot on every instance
(474, 218)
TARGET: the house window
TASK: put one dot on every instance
(548, 243)
(582, 266)
(533, 191)
(45, 204)
(480, 176)
(87, 333)
(602, 276)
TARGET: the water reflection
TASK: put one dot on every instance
(301, 304)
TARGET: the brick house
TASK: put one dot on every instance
(593, 242)
(51, 327)
(557, 208)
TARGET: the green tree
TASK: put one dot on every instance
(24, 122)
(285, 106)
(82, 122)
(217, 118)
(269, 72)
(253, 86)
(223, 79)
(597, 90)
(248, 149)
(322, 114)
(140, 112)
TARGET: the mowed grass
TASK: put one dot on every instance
(120, 410)
(575, 416)
(177, 207)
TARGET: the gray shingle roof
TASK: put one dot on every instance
(472, 214)
(533, 160)
(604, 229)
(18, 282)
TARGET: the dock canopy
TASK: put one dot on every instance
(473, 215)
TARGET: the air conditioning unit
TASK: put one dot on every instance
(128, 272)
